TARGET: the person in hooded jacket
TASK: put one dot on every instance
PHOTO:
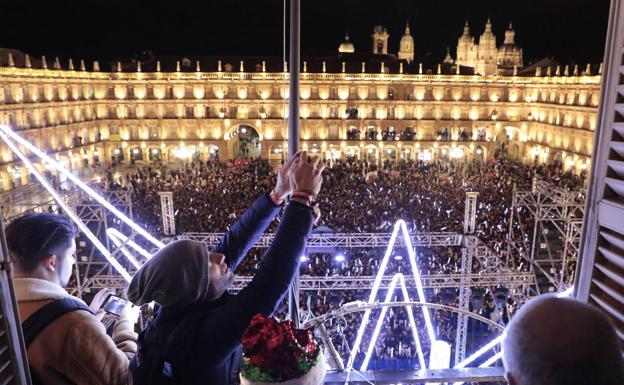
(195, 337)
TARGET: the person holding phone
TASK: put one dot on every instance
(195, 337)
(65, 339)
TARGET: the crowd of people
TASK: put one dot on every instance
(361, 197)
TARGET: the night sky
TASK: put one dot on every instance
(568, 30)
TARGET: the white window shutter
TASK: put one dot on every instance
(600, 273)
(13, 363)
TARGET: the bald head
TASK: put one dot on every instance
(560, 341)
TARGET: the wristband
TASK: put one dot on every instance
(315, 195)
(303, 195)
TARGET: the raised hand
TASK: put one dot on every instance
(307, 173)
(284, 187)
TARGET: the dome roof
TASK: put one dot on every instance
(346, 46)
(407, 39)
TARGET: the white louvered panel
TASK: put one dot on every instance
(615, 241)
(611, 215)
(617, 167)
(600, 274)
(614, 311)
(617, 278)
(612, 256)
(619, 127)
(612, 292)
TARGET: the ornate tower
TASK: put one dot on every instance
(509, 54)
(448, 59)
(380, 40)
(466, 49)
(406, 50)
(487, 52)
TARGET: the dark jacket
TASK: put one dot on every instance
(201, 343)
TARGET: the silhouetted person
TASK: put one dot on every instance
(560, 341)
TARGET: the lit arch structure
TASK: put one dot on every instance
(125, 243)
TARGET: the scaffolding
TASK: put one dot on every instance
(90, 264)
(545, 230)
(168, 219)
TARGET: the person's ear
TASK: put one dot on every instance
(49, 262)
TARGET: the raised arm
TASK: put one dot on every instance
(247, 230)
(270, 283)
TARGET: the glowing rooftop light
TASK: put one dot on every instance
(339, 258)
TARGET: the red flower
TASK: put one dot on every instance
(277, 348)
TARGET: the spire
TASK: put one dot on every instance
(576, 71)
(219, 68)
(566, 71)
(588, 70)
(70, 66)
(44, 63)
(324, 67)
(242, 66)
(558, 70)
(538, 71)
(510, 35)
(197, 67)
(420, 68)
(549, 71)
(158, 66)
(515, 71)
(138, 66)
(383, 67)
(305, 66)
(57, 63)
(96, 66)
(27, 61)
(285, 66)
(118, 66)
(466, 29)
(263, 66)
(488, 25)
(177, 66)
(11, 62)
(82, 65)
(407, 28)
(448, 59)
(439, 69)
(401, 67)
(363, 67)
(344, 67)
(600, 69)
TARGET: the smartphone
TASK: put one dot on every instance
(115, 305)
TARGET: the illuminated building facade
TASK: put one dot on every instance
(370, 110)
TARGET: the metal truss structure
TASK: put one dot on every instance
(464, 302)
(551, 243)
(315, 283)
(90, 265)
(470, 212)
(331, 241)
(168, 219)
(31, 197)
